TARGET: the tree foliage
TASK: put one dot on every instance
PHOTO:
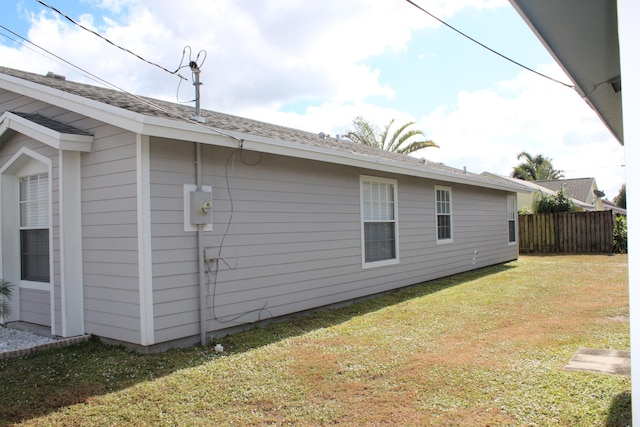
(620, 234)
(535, 168)
(621, 199)
(553, 203)
(401, 139)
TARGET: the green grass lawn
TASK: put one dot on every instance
(484, 348)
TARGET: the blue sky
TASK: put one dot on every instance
(317, 65)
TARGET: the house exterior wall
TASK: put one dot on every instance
(294, 240)
(109, 235)
(109, 224)
(286, 234)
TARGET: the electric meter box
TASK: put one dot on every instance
(200, 207)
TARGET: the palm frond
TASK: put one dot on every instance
(6, 293)
(417, 145)
(364, 132)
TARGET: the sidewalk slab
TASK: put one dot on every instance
(599, 361)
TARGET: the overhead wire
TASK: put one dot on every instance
(487, 47)
(118, 88)
(73, 21)
(239, 150)
(213, 267)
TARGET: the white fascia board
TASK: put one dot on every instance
(185, 131)
(116, 116)
(291, 149)
(194, 132)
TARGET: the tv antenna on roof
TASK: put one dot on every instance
(195, 70)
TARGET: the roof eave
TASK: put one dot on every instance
(11, 123)
(196, 132)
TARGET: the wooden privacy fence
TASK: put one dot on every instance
(567, 232)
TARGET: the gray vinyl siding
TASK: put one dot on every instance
(109, 235)
(109, 220)
(35, 307)
(175, 265)
(294, 242)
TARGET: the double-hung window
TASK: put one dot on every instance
(512, 217)
(444, 231)
(379, 221)
(34, 227)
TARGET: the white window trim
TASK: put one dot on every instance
(21, 164)
(512, 202)
(31, 170)
(435, 208)
(396, 221)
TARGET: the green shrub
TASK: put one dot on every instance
(553, 203)
(620, 234)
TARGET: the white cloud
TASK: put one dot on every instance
(487, 129)
(265, 56)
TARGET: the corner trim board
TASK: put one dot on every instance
(145, 279)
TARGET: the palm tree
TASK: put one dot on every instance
(6, 290)
(535, 168)
(366, 133)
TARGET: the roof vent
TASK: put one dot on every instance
(55, 76)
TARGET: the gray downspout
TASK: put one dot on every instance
(201, 272)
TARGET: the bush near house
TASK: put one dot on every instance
(620, 234)
(553, 203)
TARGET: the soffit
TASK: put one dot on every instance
(582, 36)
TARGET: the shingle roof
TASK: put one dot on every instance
(52, 124)
(183, 113)
(578, 188)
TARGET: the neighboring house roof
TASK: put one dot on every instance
(578, 188)
(169, 120)
(582, 36)
(534, 186)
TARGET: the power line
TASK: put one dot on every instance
(110, 42)
(487, 47)
(113, 86)
(92, 76)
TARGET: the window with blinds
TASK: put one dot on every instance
(378, 200)
(34, 227)
(443, 214)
